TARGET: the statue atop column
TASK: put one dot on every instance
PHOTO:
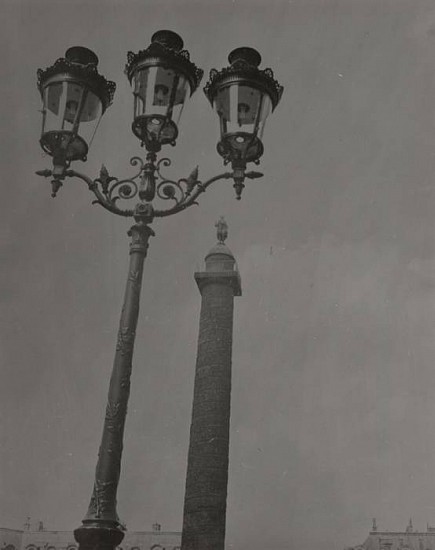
(374, 526)
(222, 229)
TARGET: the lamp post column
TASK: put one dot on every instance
(101, 527)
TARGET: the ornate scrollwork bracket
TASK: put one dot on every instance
(146, 184)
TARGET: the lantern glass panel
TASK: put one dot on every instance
(160, 92)
(242, 108)
(71, 116)
(266, 109)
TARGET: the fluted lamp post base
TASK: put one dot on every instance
(98, 537)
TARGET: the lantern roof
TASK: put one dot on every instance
(79, 63)
(166, 49)
(244, 69)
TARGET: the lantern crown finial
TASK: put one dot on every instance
(168, 39)
(81, 56)
(248, 56)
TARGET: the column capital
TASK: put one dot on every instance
(140, 234)
(230, 278)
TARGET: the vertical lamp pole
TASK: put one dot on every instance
(75, 96)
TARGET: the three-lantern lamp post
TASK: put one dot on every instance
(74, 97)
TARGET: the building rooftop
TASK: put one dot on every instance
(44, 539)
(408, 539)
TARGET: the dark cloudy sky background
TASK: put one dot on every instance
(333, 418)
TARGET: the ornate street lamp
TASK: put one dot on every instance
(74, 98)
(162, 76)
(243, 97)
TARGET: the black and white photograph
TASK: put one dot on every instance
(217, 283)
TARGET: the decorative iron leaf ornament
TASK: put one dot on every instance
(104, 178)
(192, 180)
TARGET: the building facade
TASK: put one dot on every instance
(398, 540)
(43, 539)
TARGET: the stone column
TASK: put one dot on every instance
(207, 468)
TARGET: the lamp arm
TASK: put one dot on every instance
(101, 199)
(190, 199)
(147, 185)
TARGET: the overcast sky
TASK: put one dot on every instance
(333, 403)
